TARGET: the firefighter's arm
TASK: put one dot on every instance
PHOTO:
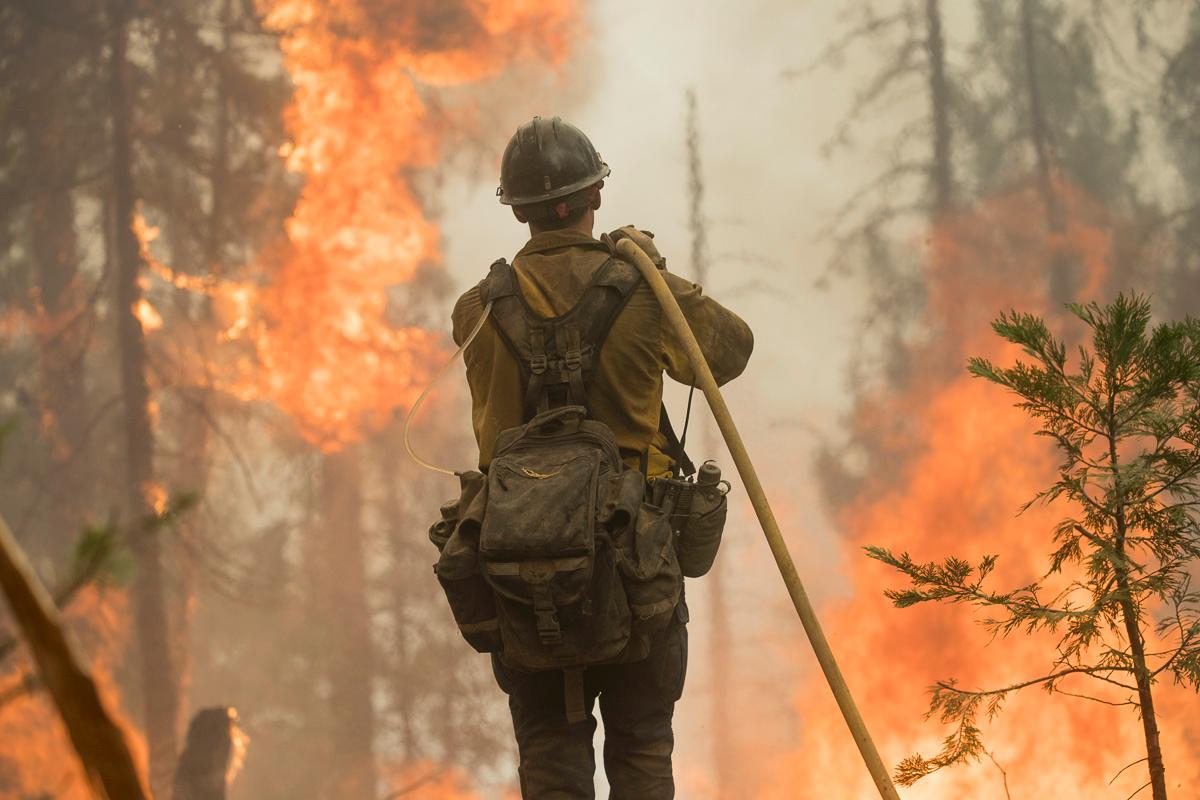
(724, 338)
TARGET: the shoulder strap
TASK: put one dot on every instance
(614, 284)
(557, 355)
(508, 311)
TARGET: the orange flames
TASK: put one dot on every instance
(312, 330)
(967, 462)
(363, 126)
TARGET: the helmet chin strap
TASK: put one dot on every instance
(412, 412)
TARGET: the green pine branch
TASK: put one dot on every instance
(1124, 414)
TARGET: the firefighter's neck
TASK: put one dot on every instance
(585, 225)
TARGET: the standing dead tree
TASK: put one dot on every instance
(159, 682)
(721, 648)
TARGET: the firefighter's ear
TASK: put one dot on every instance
(595, 199)
(520, 215)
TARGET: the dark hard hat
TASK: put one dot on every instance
(547, 159)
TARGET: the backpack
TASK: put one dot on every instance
(553, 559)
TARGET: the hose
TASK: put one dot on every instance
(412, 412)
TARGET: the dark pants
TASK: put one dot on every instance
(636, 702)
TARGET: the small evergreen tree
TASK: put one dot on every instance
(1126, 417)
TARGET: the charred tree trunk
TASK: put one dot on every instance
(400, 543)
(1039, 131)
(942, 171)
(159, 688)
(211, 755)
(62, 338)
(194, 433)
(53, 159)
(721, 648)
(341, 602)
(1062, 274)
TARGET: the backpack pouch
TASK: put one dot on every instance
(650, 568)
(471, 599)
(541, 504)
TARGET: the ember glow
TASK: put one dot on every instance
(966, 461)
(426, 780)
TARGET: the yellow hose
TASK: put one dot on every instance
(412, 412)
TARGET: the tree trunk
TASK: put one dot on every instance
(1063, 279)
(400, 527)
(942, 170)
(62, 342)
(341, 600)
(1039, 132)
(1137, 648)
(721, 646)
(63, 330)
(159, 689)
(194, 435)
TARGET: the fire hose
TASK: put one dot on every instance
(766, 517)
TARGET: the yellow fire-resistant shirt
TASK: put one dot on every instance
(553, 271)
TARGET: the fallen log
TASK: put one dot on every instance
(99, 741)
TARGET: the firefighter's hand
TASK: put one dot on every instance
(643, 239)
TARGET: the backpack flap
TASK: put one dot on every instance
(542, 547)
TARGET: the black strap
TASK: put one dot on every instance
(574, 699)
(683, 464)
(557, 355)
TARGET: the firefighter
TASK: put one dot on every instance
(552, 177)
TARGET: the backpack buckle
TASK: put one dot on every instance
(538, 363)
(573, 359)
(548, 628)
(549, 631)
(538, 574)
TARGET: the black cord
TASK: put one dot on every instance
(683, 437)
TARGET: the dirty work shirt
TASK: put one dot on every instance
(553, 270)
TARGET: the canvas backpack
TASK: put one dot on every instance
(553, 559)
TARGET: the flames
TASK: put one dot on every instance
(316, 324)
(361, 127)
(364, 124)
(966, 461)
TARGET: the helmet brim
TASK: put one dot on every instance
(554, 194)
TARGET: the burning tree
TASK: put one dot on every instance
(1117, 594)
